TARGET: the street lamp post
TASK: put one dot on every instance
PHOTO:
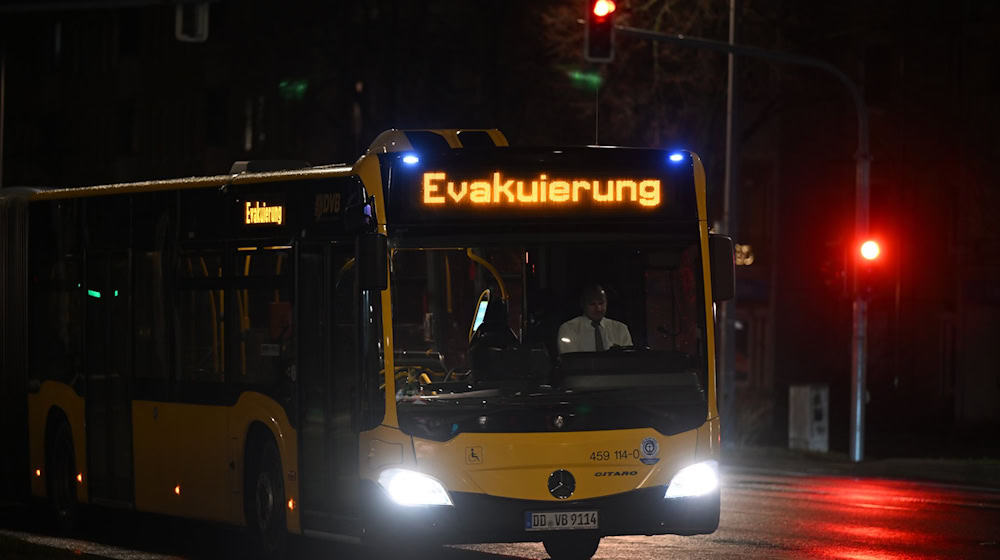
(859, 325)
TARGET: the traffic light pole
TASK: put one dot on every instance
(859, 327)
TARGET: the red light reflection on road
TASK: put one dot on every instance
(846, 553)
(885, 494)
(859, 493)
(876, 538)
(869, 532)
(872, 532)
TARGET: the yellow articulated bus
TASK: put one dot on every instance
(451, 340)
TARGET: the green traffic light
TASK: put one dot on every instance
(586, 79)
(293, 90)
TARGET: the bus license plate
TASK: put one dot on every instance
(559, 520)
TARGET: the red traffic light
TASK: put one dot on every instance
(870, 250)
(599, 37)
(603, 8)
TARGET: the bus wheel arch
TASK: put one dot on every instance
(60, 470)
(263, 491)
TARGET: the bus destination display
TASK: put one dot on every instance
(568, 185)
(506, 190)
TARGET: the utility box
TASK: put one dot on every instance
(809, 417)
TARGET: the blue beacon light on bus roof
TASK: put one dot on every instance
(676, 157)
(410, 159)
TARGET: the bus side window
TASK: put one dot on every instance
(150, 329)
(201, 316)
(151, 228)
(263, 347)
(56, 291)
(368, 362)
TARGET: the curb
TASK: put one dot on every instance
(981, 474)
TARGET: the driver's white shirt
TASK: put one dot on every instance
(577, 335)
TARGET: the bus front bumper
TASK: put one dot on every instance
(479, 518)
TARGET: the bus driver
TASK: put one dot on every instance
(592, 331)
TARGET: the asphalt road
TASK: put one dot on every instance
(765, 515)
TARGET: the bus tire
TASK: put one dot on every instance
(61, 484)
(264, 498)
(571, 547)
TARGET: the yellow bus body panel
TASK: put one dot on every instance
(709, 440)
(189, 458)
(396, 140)
(54, 394)
(706, 265)
(518, 465)
(384, 447)
(182, 460)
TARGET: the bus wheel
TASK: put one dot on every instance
(264, 500)
(61, 478)
(568, 547)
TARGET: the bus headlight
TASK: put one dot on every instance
(695, 480)
(411, 488)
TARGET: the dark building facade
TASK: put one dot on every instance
(933, 379)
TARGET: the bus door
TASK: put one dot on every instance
(108, 410)
(329, 380)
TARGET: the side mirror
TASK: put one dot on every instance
(360, 217)
(372, 257)
(723, 264)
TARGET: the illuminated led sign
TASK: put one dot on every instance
(259, 213)
(501, 190)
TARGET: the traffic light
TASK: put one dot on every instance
(868, 262)
(870, 250)
(599, 37)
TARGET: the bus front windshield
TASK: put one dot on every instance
(483, 332)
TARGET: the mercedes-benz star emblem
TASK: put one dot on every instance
(559, 421)
(561, 484)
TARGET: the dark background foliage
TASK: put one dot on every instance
(104, 93)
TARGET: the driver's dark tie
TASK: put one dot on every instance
(598, 342)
